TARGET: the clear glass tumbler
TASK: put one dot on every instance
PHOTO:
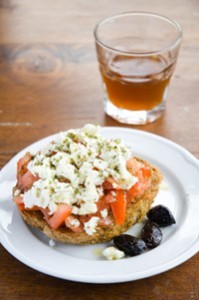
(137, 54)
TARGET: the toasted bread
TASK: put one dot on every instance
(136, 211)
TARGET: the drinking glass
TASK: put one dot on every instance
(137, 54)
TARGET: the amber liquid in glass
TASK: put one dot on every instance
(136, 83)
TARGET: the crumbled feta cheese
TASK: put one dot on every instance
(104, 213)
(17, 192)
(48, 194)
(87, 208)
(100, 164)
(75, 222)
(113, 193)
(90, 226)
(88, 193)
(114, 185)
(51, 243)
(75, 210)
(73, 168)
(112, 253)
(91, 129)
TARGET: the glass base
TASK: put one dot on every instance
(139, 117)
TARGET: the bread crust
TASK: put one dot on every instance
(136, 211)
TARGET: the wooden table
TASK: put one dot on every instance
(49, 81)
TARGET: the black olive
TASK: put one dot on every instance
(129, 244)
(151, 234)
(161, 215)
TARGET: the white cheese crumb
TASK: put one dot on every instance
(87, 208)
(114, 185)
(113, 193)
(51, 243)
(17, 193)
(100, 164)
(91, 129)
(112, 253)
(104, 213)
(90, 226)
(75, 210)
(75, 222)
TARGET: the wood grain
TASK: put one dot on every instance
(49, 81)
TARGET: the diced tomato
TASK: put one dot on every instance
(102, 204)
(111, 184)
(45, 212)
(74, 228)
(129, 164)
(26, 181)
(20, 206)
(136, 167)
(18, 199)
(63, 211)
(146, 172)
(110, 197)
(144, 176)
(137, 189)
(24, 176)
(119, 207)
(133, 165)
(23, 161)
(143, 173)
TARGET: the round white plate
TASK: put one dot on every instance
(180, 192)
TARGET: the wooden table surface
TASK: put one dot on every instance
(49, 81)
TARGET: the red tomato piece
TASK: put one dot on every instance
(133, 166)
(20, 206)
(146, 172)
(63, 211)
(119, 207)
(144, 176)
(26, 181)
(110, 197)
(45, 212)
(22, 162)
(137, 189)
(102, 203)
(111, 184)
(18, 200)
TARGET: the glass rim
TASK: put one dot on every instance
(168, 47)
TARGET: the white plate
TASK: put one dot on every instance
(81, 263)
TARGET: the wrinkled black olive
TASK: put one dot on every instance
(151, 234)
(161, 215)
(129, 244)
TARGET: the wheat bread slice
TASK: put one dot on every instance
(136, 211)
